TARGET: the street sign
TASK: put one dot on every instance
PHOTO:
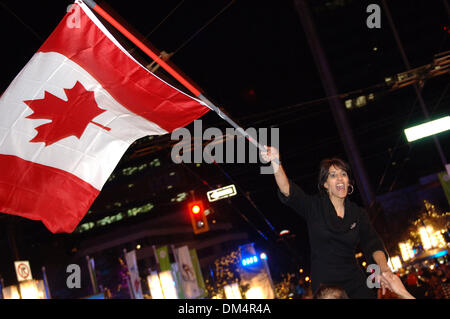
(221, 193)
(23, 270)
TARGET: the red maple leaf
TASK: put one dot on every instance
(69, 118)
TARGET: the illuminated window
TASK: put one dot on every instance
(142, 167)
(361, 101)
(129, 171)
(155, 163)
(348, 103)
(86, 226)
(142, 209)
(115, 218)
(180, 197)
(109, 220)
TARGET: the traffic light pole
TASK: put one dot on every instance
(336, 104)
(196, 211)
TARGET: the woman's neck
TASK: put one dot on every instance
(337, 202)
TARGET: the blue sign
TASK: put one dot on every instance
(249, 260)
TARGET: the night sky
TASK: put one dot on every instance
(253, 61)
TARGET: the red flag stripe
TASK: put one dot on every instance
(126, 81)
(145, 49)
(38, 192)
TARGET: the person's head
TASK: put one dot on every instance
(335, 178)
(330, 292)
(412, 279)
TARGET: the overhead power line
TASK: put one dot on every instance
(204, 26)
(29, 28)
(165, 18)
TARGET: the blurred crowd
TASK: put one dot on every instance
(427, 282)
(430, 280)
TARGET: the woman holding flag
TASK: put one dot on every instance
(335, 226)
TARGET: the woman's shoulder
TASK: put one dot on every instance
(354, 205)
(300, 191)
(356, 208)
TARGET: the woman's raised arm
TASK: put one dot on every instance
(281, 178)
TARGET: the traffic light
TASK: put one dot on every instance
(198, 217)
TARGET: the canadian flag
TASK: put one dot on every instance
(69, 116)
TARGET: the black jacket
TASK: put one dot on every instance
(334, 240)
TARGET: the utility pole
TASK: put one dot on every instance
(337, 107)
(447, 7)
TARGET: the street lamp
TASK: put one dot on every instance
(428, 129)
(11, 292)
(232, 291)
(29, 289)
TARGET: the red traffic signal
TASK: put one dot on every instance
(196, 209)
(198, 217)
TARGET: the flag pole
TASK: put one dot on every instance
(95, 7)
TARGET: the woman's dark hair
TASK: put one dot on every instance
(325, 167)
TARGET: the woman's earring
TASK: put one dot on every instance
(352, 189)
